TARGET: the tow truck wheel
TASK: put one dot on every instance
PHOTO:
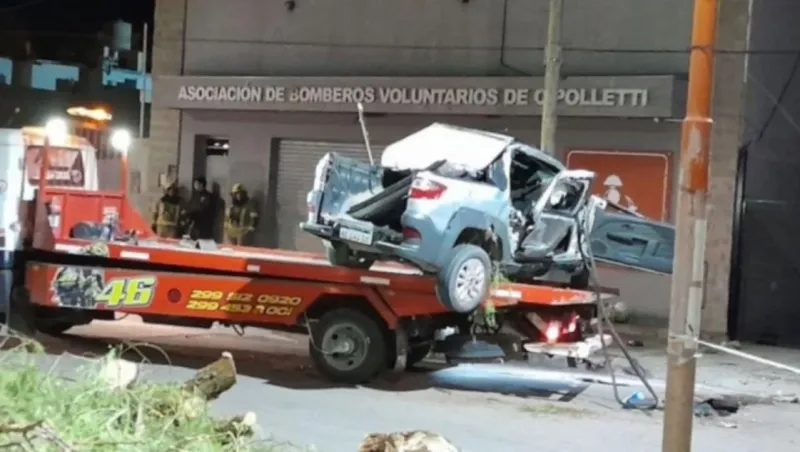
(464, 282)
(341, 256)
(348, 346)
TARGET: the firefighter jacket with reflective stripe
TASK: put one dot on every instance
(167, 213)
(241, 218)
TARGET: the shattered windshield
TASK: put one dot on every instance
(528, 173)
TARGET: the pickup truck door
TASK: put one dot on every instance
(634, 243)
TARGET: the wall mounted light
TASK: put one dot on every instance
(290, 5)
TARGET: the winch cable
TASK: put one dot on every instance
(604, 320)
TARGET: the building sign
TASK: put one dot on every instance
(638, 181)
(637, 96)
(519, 97)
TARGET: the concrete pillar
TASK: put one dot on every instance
(21, 74)
(167, 59)
(727, 111)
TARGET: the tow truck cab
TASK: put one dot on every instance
(11, 159)
(73, 166)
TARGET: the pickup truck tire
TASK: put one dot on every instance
(341, 255)
(378, 209)
(348, 346)
(462, 285)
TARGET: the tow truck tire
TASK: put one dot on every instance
(464, 281)
(360, 335)
(340, 255)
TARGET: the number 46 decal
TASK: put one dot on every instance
(128, 292)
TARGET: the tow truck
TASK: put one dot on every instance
(360, 323)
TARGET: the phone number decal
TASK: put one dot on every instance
(242, 303)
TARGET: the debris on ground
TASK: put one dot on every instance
(637, 401)
(413, 441)
(714, 407)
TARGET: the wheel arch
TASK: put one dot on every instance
(478, 228)
(482, 238)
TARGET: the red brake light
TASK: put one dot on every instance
(422, 188)
(553, 332)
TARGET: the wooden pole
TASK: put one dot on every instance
(688, 278)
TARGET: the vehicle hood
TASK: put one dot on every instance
(469, 148)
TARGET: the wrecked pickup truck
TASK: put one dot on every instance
(459, 203)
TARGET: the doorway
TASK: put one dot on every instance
(217, 172)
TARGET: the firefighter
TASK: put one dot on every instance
(241, 219)
(167, 213)
(199, 218)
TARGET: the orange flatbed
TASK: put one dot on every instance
(227, 283)
(360, 321)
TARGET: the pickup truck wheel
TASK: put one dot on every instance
(340, 255)
(348, 346)
(464, 282)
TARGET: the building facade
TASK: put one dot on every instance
(254, 92)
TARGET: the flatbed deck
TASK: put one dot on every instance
(391, 309)
(406, 290)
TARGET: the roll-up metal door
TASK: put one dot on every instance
(296, 164)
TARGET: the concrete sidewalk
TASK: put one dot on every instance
(729, 373)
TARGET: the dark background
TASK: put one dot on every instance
(65, 29)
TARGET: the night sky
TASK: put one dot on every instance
(72, 16)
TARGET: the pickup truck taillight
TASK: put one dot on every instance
(422, 188)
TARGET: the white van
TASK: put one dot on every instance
(72, 165)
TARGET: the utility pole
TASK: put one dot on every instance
(142, 66)
(552, 61)
(688, 277)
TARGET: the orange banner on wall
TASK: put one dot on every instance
(639, 181)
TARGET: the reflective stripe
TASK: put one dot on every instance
(167, 214)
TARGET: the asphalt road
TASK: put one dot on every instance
(294, 405)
